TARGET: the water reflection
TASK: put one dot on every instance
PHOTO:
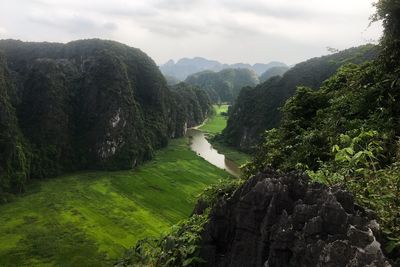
(200, 145)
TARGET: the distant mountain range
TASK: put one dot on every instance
(187, 66)
(225, 85)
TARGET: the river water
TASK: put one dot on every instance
(203, 148)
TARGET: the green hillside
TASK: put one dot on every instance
(258, 109)
(225, 85)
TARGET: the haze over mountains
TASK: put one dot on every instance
(187, 66)
(225, 85)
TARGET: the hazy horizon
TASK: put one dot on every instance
(227, 31)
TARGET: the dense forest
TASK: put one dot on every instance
(88, 104)
(194, 102)
(223, 86)
(323, 188)
(258, 109)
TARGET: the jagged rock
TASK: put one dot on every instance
(285, 220)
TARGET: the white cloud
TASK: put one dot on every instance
(2, 31)
(227, 30)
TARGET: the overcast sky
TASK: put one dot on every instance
(226, 30)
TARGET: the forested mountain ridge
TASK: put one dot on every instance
(275, 71)
(225, 85)
(188, 66)
(84, 104)
(257, 109)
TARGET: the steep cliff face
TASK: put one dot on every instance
(257, 109)
(195, 103)
(282, 220)
(89, 104)
(14, 159)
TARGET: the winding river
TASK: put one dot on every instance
(203, 148)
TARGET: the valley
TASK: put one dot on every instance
(110, 158)
(91, 218)
(215, 125)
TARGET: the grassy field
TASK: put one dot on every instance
(89, 219)
(217, 122)
(214, 126)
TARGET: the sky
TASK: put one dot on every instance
(230, 31)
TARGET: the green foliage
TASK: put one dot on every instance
(360, 153)
(388, 11)
(259, 109)
(221, 190)
(195, 103)
(347, 132)
(180, 247)
(14, 154)
(313, 121)
(357, 166)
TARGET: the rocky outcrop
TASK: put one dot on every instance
(284, 220)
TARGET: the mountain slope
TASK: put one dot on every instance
(194, 102)
(275, 71)
(223, 86)
(257, 109)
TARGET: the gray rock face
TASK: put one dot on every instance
(284, 220)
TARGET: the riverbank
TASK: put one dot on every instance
(214, 126)
(203, 148)
(89, 219)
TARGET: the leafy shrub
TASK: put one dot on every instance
(178, 248)
(357, 166)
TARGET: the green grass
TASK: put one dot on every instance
(90, 218)
(214, 126)
(217, 122)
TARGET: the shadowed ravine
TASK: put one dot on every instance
(203, 148)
